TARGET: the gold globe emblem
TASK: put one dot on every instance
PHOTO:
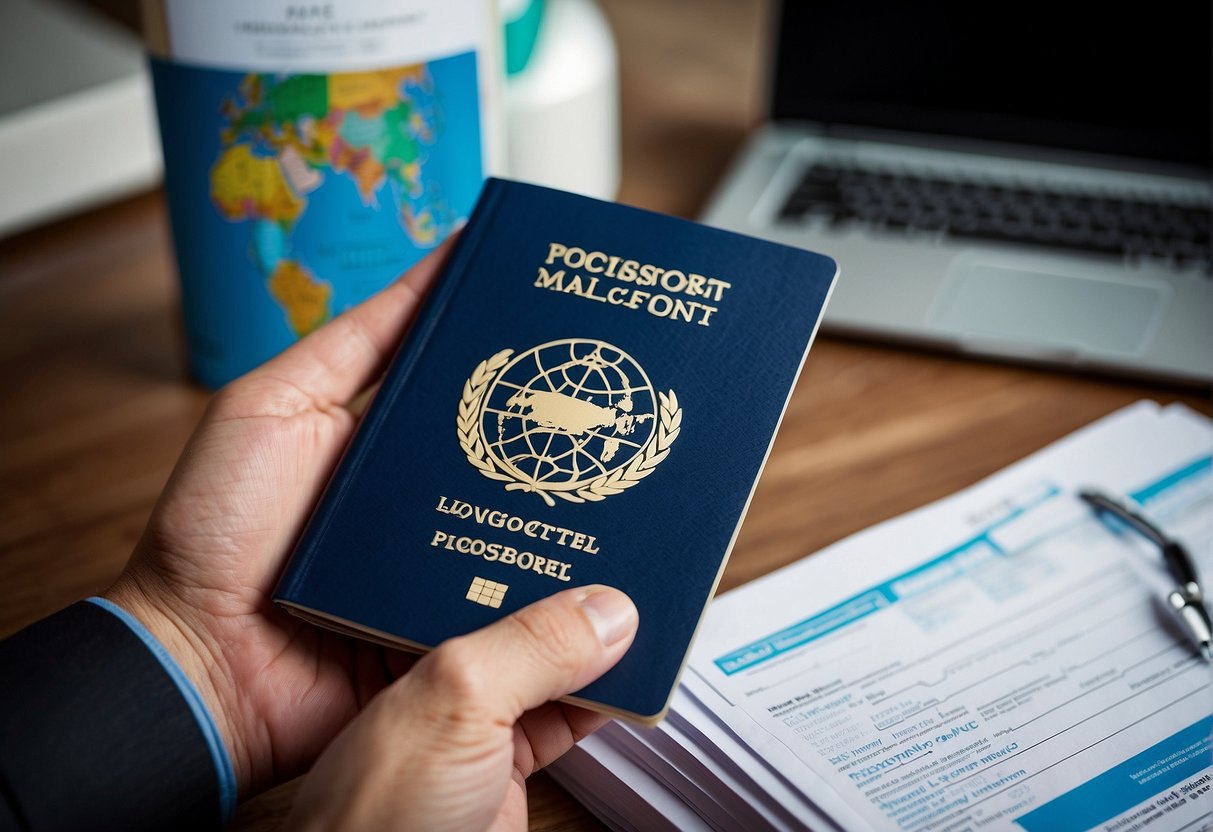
(575, 419)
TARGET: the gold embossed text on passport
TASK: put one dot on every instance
(500, 553)
(673, 294)
(537, 529)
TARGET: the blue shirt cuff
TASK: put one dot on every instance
(224, 773)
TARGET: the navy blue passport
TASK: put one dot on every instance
(588, 396)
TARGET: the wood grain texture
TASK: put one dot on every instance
(96, 404)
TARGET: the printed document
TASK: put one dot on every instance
(1001, 659)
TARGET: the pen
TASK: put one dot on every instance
(1186, 599)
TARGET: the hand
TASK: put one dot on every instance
(450, 745)
(201, 576)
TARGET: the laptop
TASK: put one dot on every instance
(1028, 181)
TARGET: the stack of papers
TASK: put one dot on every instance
(1000, 659)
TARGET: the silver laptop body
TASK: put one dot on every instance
(1058, 251)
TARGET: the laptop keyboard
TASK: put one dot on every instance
(971, 210)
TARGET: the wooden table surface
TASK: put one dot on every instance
(97, 406)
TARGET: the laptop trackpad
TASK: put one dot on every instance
(1049, 308)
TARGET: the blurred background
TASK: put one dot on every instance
(723, 87)
(1015, 193)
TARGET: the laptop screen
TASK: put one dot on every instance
(1133, 81)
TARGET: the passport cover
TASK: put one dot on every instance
(588, 396)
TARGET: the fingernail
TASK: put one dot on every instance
(612, 614)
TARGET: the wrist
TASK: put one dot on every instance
(202, 665)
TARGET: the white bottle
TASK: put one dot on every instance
(562, 109)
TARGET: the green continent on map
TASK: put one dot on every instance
(282, 135)
(286, 100)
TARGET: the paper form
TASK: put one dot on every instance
(998, 660)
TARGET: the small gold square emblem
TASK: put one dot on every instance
(488, 593)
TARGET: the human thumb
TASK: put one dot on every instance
(541, 652)
(440, 748)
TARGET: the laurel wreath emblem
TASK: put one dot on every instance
(471, 441)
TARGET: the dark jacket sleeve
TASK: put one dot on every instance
(96, 734)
